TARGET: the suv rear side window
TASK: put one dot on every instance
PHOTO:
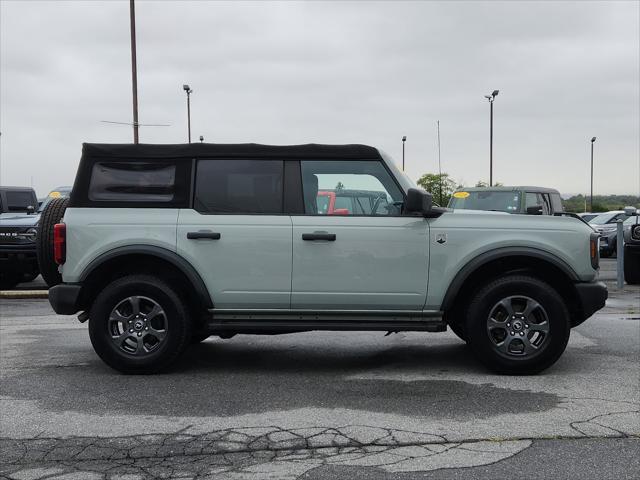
(132, 182)
(239, 187)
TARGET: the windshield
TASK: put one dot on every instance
(603, 218)
(501, 201)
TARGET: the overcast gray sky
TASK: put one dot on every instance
(329, 72)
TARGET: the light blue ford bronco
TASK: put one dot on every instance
(161, 246)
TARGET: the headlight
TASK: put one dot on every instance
(635, 232)
(30, 234)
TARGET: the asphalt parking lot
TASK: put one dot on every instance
(321, 405)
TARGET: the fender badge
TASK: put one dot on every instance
(441, 238)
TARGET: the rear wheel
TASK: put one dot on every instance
(518, 325)
(52, 214)
(139, 325)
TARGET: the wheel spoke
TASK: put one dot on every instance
(531, 306)
(116, 316)
(493, 324)
(540, 327)
(135, 305)
(528, 346)
(503, 346)
(506, 304)
(155, 311)
(159, 334)
(139, 345)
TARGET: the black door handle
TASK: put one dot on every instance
(331, 237)
(205, 235)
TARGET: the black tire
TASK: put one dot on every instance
(29, 276)
(503, 356)
(9, 281)
(52, 214)
(117, 353)
(631, 267)
(199, 338)
(459, 329)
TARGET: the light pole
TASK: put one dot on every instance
(187, 89)
(593, 140)
(491, 98)
(404, 139)
(134, 70)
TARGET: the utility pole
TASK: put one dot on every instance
(134, 69)
(593, 140)
(439, 163)
(491, 98)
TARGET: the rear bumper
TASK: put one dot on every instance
(64, 298)
(592, 297)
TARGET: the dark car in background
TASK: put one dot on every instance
(18, 231)
(19, 218)
(605, 225)
(631, 232)
(524, 200)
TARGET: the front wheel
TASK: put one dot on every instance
(138, 324)
(518, 325)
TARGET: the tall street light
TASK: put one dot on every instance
(187, 89)
(593, 140)
(491, 98)
(134, 70)
(404, 139)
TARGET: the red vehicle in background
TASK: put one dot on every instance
(352, 202)
(327, 204)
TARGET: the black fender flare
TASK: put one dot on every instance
(504, 252)
(162, 253)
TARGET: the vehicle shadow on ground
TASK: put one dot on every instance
(249, 357)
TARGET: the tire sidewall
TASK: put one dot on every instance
(177, 325)
(481, 342)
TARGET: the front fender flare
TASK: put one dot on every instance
(505, 252)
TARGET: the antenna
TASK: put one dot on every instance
(137, 124)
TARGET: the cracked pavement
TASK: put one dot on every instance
(317, 405)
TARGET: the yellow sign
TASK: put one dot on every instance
(461, 194)
(54, 194)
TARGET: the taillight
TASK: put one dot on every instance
(60, 243)
(594, 250)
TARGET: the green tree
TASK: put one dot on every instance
(441, 186)
(339, 186)
(482, 183)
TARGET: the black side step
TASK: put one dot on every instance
(255, 321)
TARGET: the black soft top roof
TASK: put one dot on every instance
(222, 150)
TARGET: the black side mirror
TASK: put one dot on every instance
(535, 210)
(30, 209)
(418, 201)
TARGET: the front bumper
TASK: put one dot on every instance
(64, 298)
(592, 297)
(18, 258)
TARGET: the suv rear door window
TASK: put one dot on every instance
(239, 187)
(132, 182)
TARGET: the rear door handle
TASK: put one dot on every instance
(331, 237)
(204, 235)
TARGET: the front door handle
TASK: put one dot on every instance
(203, 234)
(331, 237)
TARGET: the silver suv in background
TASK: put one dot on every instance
(524, 200)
